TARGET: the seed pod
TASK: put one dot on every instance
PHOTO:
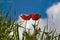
(39, 30)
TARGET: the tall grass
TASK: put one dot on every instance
(8, 26)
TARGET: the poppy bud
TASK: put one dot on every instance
(34, 26)
(46, 33)
(39, 30)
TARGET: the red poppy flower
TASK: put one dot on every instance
(35, 16)
(24, 17)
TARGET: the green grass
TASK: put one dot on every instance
(7, 26)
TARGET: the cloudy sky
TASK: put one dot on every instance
(47, 8)
(53, 13)
(27, 6)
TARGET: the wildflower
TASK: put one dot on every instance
(24, 17)
(35, 16)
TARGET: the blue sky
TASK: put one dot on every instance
(26, 6)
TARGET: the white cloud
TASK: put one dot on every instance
(53, 13)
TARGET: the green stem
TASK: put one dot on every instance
(25, 30)
(17, 33)
(38, 22)
(35, 22)
(35, 25)
(25, 25)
